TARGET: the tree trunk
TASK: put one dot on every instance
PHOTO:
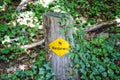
(51, 22)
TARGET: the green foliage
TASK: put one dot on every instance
(19, 32)
(5, 2)
(37, 73)
(7, 53)
(40, 59)
(45, 73)
(94, 9)
(11, 36)
(38, 9)
(95, 59)
(41, 70)
(7, 11)
(8, 17)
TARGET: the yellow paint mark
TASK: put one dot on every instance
(59, 46)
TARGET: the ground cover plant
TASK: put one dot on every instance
(95, 56)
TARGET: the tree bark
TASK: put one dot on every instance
(51, 22)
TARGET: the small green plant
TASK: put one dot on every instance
(45, 73)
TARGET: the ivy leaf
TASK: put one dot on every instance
(111, 73)
(113, 66)
(47, 67)
(98, 78)
(5, 50)
(101, 68)
(92, 77)
(62, 23)
(41, 71)
(4, 76)
(104, 74)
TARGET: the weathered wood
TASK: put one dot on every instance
(51, 22)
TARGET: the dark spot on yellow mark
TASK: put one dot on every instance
(60, 43)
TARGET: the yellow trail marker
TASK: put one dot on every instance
(59, 46)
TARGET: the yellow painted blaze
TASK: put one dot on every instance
(59, 46)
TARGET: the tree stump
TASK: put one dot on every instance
(52, 22)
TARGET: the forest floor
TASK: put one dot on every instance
(33, 55)
(27, 59)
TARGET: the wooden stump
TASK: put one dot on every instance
(51, 22)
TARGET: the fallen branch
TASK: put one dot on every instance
(22, 4)
(103, 25)
(29, 46)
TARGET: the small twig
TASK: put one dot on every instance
(29, 46)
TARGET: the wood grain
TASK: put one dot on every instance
(51, 22)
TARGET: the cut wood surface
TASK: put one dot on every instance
(51, 22)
